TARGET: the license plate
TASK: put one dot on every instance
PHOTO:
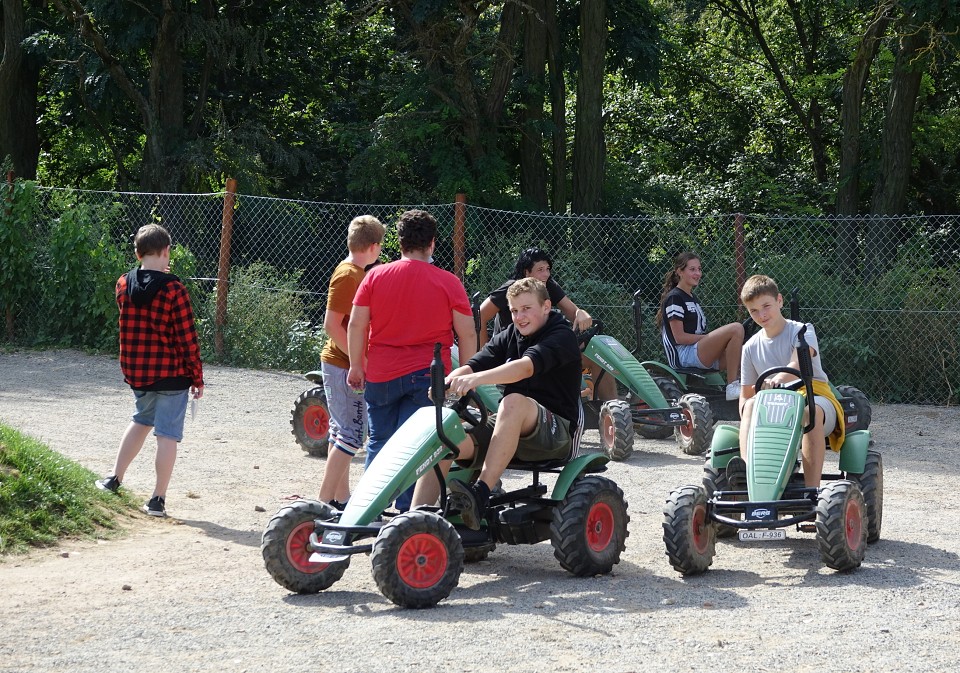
(763, 535)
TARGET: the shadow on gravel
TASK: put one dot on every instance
(523, 591)
(248, 538)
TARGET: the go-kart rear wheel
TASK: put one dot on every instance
(286, 551)
(311, 422)
(871, 485)
(616, 430)
(694, 436)
(715, 479)
(841, 525)
(589, 528)
(671, 391)
(688, 533)
(417, 559)
(864, 410)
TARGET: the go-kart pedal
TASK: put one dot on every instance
(464, 498)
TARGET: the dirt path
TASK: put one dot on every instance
(198, 599)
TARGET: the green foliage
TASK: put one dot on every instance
(44, 497)
(84, 264)
(17, 246)
(266, 323)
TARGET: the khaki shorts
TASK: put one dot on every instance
(550, 440)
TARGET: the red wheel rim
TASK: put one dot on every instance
(699, 529)
(422, 560)
(687, 428)
(853, 524)
(600, 523)
(298, 552)
(316, 422)
(608, 433)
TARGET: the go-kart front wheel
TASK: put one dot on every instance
(286, 551)
(715, 479)
(311, 422)
(688, 533)
(616, 430)
(589, 528)
(841, 525)
(417, 559)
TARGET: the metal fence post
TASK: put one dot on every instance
(460, 236)
(223, 269)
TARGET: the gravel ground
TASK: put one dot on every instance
(197, 597)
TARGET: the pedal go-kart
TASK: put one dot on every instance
(845, 513)
(708, 388)
(418, 556)
(645, 409)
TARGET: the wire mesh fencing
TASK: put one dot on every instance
(884, 293)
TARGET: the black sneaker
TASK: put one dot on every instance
(462, 497)
(155, 506)
(737, 474)
(110, 483)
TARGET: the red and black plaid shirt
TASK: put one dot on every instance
(159, 340)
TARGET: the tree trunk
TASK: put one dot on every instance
(848, 186)
(165, 139)
(588, 143)
(896, 149)
(558, 98)
(533, 165)
(19, 78)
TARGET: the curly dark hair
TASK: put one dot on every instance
(527, 259)
(416, 229)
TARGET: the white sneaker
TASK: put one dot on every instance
(733, 390)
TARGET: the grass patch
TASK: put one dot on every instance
(44, 497)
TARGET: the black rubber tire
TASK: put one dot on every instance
(864, 410)
(694, 437)
(417, 559)
(871, 485)
(616, 430)
(285, 552)
(690, 537)
(841, 525)
(310, 429)
(671, 391)
(589, 528)
(715, 479)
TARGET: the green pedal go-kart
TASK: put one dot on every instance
(418, 556)
(845, 513)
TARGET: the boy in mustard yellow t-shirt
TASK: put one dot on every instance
(348, 412)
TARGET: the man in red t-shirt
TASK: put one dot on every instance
(400, 311)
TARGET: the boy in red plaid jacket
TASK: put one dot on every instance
(160, 360)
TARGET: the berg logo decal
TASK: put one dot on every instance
(762, 513)
(333, 536)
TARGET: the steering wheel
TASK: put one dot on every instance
(583, 338)
(463, 410)
(793, 385)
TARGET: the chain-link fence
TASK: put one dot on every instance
(884, 293)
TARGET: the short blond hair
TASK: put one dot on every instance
(364, 231)
(528, 284)
(757, 286)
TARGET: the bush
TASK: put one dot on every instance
(266, 323)
(17, 251)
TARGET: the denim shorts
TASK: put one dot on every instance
(689, 358)
(163, 410)
(348, 412)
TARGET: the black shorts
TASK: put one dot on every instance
(550, 440)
